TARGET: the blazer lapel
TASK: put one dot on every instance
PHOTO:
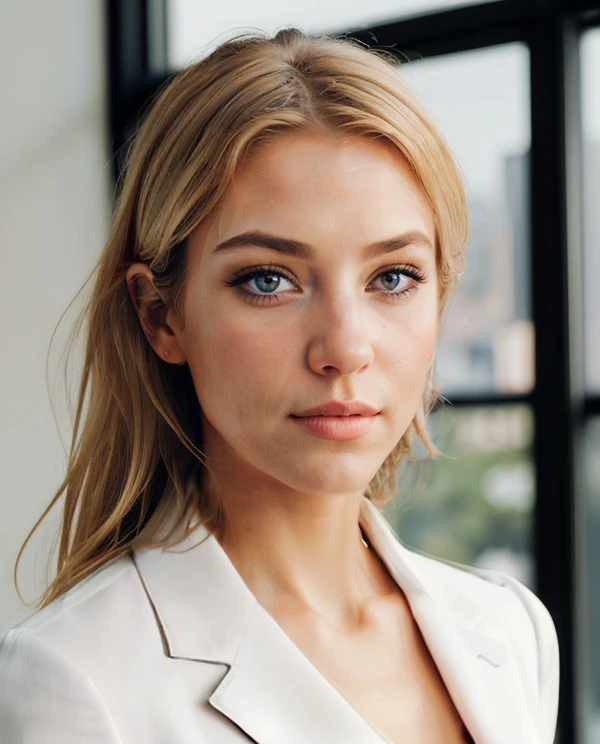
(469, 649)
(269, 688)
(273, 693)
(277, 696)
(479, 674)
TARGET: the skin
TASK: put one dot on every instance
(334, 331)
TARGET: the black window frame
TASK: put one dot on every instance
(551, 29)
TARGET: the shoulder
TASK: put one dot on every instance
(46, 667)
(41, 689)
(93, 666)
(96, 607)
(490, 588)
(107, 615)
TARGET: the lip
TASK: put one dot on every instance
(339, 408)
(337, 420)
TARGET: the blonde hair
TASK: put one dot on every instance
(136, 474)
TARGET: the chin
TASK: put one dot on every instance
(333, 477)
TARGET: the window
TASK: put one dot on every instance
(480, 99)
(592, 487)
(192, 30)
(590, 79)
(474, 504)
(590, 85)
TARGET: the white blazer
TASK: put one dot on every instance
(171, 647)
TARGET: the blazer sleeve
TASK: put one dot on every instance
(45, 699)
(547, 655)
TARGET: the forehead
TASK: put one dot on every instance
(314, 188)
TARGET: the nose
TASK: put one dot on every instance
(340, 343)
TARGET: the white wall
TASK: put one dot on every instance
(54, 215)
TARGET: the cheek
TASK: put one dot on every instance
(408, 348)
(237, 363)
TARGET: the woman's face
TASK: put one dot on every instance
(314, 284)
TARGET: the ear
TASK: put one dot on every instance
(152, 312)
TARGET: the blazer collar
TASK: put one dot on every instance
(274, 693)
(468, 645)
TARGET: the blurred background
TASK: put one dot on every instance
(515, 87)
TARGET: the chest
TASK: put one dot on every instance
(387, 674)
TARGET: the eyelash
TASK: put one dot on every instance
(240, 278)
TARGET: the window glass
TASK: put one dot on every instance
(590, 78)
(480, 100)
(474, 504)
(194, 28)
(592, 486)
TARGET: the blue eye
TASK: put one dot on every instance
(266, 282)
(262, 282)
(391, 280)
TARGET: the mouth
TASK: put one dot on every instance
(337, 420)
(339, 408)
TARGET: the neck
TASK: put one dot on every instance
(302, 553)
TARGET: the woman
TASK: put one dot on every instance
(260, 346)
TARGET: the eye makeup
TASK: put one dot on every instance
(269, 274)
(268, 279)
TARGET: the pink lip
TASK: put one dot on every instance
(339, 408)
(336, 420)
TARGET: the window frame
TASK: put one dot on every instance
(551, 29)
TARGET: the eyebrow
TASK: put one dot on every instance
(303, 250)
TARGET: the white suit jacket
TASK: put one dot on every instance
(171, 647)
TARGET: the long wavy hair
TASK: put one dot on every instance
(136, 474)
